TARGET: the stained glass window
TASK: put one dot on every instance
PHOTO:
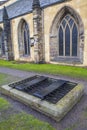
(68, 37)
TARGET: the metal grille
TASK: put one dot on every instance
(56, 95)
(51, 90)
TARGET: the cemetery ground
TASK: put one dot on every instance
(13, 117)
(17, 116)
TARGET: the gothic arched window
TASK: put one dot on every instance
(68, 37)
(24, 39)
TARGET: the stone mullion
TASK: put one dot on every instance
(71, 42)
(64, 42)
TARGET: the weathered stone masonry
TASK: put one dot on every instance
(7, 36)
(38, 34)
(43, 19)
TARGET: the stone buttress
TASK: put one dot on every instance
(38, 32)
(7, 35)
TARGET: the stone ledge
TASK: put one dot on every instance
(56, 111)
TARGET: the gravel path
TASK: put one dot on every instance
(14, 72)
(76, 119)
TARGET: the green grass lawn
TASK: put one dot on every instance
(3, 104)
(23, 121)
(19, 121)
(76, 72)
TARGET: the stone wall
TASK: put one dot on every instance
(1, 25)
(48, 15)
(15, 23)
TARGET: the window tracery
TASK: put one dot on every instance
(68, 37)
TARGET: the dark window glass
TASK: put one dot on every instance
(25, 43)
(60, 41)
(63, 23)
(67, 17)
(26, 40)
(74, 40)
(67, 41)
(71, 22)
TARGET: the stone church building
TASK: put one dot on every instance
(51, 31)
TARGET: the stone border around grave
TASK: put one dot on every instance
(56, 111)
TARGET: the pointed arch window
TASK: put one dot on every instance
(24, 39)
(68, 37)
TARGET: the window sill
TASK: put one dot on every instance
(68, 60)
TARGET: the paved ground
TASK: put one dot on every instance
(76, 119)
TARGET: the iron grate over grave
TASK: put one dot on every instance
(45, 88)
